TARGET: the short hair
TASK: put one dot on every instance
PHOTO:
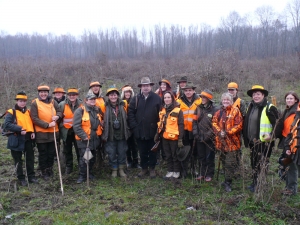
(227, 95)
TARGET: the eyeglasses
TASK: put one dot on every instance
(231, 89)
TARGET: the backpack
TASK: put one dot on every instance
(3, 129)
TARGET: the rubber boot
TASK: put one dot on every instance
(114, 172)
(121, 171)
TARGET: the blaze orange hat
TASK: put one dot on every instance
(208, 94)
(59, 90)
(21, 95)
(95, 83)
(165, 81)
(111, 90)
(72, 91)
(233, 85)
(257, 88)
(43, 88)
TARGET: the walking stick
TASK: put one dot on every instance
(87, 161)
(58, 163)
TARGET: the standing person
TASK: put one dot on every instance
(171, 129)
(18, 121)
(59, 94)
(188, 104)
(132, 151)
(258, 130)
(233, 89)
(67, 134)
(227, 124)
(143, 117)
(95, 88)
(115, 132)
(164, 85)
(87, 129)
(203, 133)
(181, 84)
(44, 114)
(282, 130)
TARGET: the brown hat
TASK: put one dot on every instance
(207, 93)
(182, 79)
(257, 88)
(145, 80)
(95, 83)
(189, 85)
(59, 90)
(183, 152)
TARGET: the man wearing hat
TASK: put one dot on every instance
(87, 128)
(258, 128)
(143, 117)
(66, 131)
(18, 121)
(45, 113)
(188, 104)
(95, 88)
(116, 132)
(233, 89)
(59, 94)
(203, 133)
(181, 84)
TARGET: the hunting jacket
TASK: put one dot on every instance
(230, 120)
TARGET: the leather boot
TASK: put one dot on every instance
(45, 174)
(144, 172)
(50, 171)
(121, 171)
(80, 179)
(114, 172)
(152, 173)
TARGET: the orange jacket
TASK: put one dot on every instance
(45, 112)
(86, 124)
(229, 120)
(171, 131)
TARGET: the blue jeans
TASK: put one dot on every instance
(116, 151)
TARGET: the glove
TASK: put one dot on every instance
(156, 137)
(180, 144)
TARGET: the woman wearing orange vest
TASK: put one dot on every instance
(171, 130)
(18, 122)
(44, 114)
(68, 107)
(95, 88)
(87, 129)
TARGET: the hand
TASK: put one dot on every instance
(156, 137)
(288, 152)
(23, 132)
(52, 124)
(54, 118)
(180, 144)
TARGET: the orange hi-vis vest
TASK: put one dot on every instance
(68, 116)
(171, 124)
(287, 125)
(23, 120)
(86, 124)
(237, 103)
(101, 104)
(45, 112)
(188, 113)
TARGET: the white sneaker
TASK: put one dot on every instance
(169, 174)
(176, 175)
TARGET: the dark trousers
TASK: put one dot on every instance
(229, 162)
(29, 159)
(170, 148)
(132, 151)
(46, 155)
(191, 157)
(82, 162)
(148, 158)
(70, 141)
(259, 155)
(206, 158)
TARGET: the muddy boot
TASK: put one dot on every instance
(152, 173)
(45, 175)
(81, 179)
(50, 171)
(114, 172)
(121, 171)
(144, 172)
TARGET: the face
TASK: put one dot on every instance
(167, 99)
(127, 94)
(91, 102)
(43, 94)
(95, 89)
(204, 100)
(113, 97)
(290, 100)
(58, 95)
(232, 91)
(189, 92)
(182, 84)
(163, 86)
(72, 97)
(226, 102)
(257, 96)
(145, 89)
(21, 103)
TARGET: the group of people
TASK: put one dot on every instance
(187, 128)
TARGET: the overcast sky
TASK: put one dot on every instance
(73, 16)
